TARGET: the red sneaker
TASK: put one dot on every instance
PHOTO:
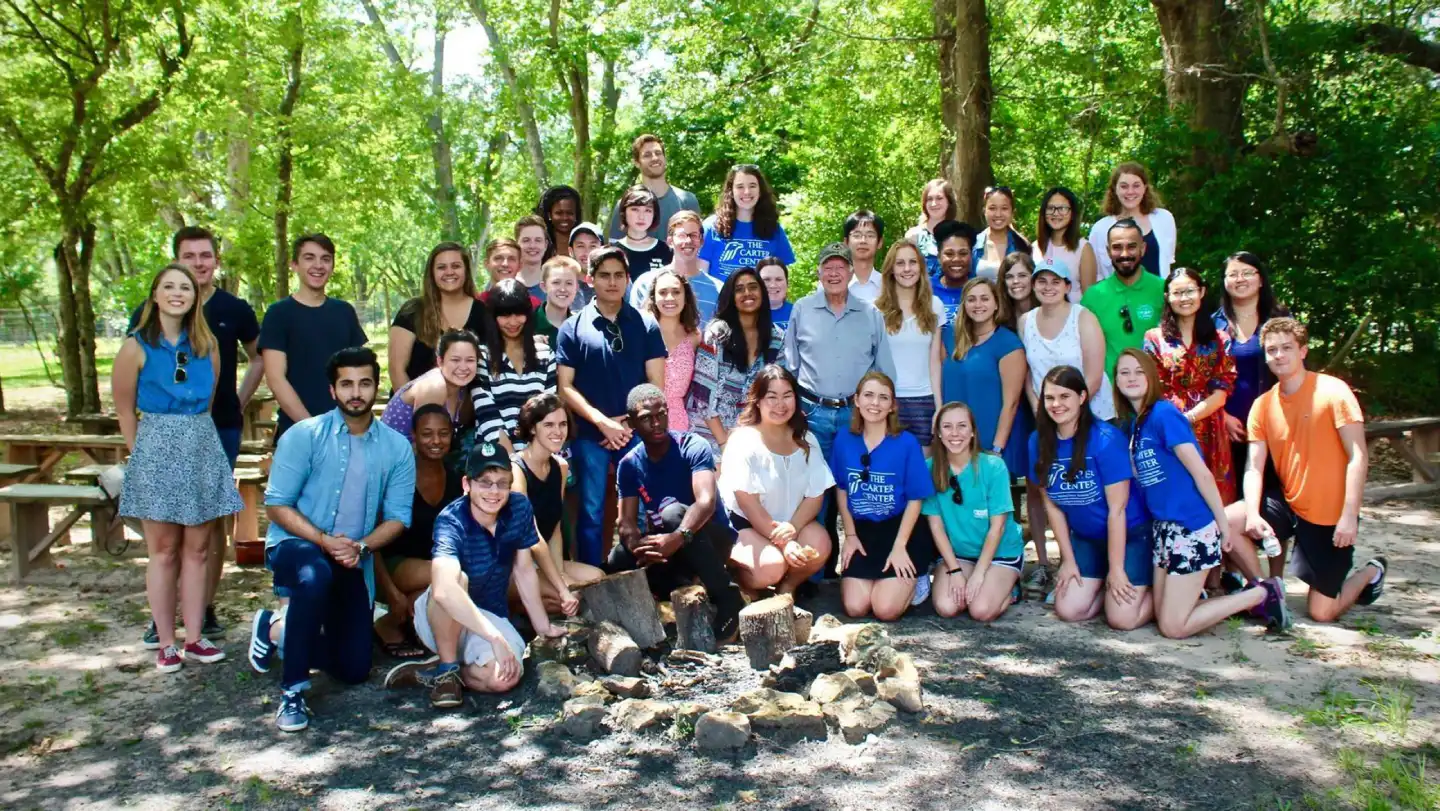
(167, 660)
(203, 651)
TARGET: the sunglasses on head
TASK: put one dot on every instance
(989, 190)
(181, 359)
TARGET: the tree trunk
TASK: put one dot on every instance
(237, 193)
(294, 25)
(494, 154)
(440, 146)
(77, 316)
(524, 110)
(605, 141)
(572, 72)
(1199, 39)
(614, 651)
(966, 98)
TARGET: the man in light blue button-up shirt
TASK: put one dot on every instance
(341, 487)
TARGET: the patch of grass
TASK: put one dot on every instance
(1201, 693)
(1388, 708)
(1307, 648)
(73, 635)
(1387, 647)
(1366, 625)
(684, 728)
(31, 690)
(1338, 708)
(1189, 749)
(1397, 781)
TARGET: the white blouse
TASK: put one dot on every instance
(911, 350)
(780, 482)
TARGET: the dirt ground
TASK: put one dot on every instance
(1026, 713)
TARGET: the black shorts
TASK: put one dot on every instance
(1318, 562)
(878, 538)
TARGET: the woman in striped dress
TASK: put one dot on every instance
(515, 365)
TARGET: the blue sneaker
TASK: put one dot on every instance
(261, 648)
(294, 713)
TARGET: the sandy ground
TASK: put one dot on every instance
(1025, 713)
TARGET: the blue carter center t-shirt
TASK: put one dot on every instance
(660, 483)
(1169, 489)
(897, 474)
(743, 249)
(1107, 462)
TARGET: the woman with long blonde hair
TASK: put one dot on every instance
(913, 317)
(178, 479)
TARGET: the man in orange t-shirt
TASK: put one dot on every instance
(1310, 425)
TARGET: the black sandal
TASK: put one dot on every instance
(404, 649)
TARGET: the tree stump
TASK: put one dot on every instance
(613, 650)
(767, 628)
(625, 600)
(693, 617)
(803, 621)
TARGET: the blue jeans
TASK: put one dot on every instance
(327, 625)
(825, 423)
(230, 441)
(590, 463)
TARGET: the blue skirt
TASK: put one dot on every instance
(178, 472)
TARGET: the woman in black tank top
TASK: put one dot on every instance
(539, 473)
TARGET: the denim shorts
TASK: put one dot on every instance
(1092, 556)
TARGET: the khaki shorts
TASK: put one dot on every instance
(473, 649)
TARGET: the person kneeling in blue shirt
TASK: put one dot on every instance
(481, 541)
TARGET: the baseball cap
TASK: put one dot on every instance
(587, 228)
(833, 250)
(483, 457)
(1046, 266)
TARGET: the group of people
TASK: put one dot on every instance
(646, 396)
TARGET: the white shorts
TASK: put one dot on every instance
(474, 648)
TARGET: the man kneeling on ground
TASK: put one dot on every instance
(684, 537)
(481, 541)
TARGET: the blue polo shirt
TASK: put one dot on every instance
(587, 343)
(1169, 489)
(486, 558)
(1107, 462)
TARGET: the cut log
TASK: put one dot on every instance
(693, 617)
(767, 628)
(803, 621)
(614, 651)
(625, 600)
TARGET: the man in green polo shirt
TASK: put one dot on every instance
(1131, 300)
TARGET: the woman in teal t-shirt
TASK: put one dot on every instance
(971, 520)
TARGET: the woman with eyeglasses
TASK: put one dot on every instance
(737, 343)
(1190, 530)
(772, 482)
(1059, 333)
(177, 480)
(881, 470)
(1196, 371)
(1130, 195)
(1096, 513)
(745, 227)
(514, 365)
(672, 304)
(937, 204)
(1058, 239)
(972, 520)
(999, 239)
(1246, 303)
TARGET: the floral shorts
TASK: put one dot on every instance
(1182, 551)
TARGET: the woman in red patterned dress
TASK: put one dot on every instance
(1197, 370)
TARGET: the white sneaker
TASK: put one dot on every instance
(922, 590)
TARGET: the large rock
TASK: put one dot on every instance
(687, 713)
(789, 716)
(591, 689)
(863, 679)
(639, 714)
(557, 683)
(722, 731)
(583, 717)
(571, 649)
(903, 693)
(829, 688)
(627, 686)
(859, 716)
(870, 636)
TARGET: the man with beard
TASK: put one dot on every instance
(669, 522)
(953, 243)
(1128, 302)
(341, 485)
(648, 155)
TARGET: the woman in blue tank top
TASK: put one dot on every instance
(177, 479)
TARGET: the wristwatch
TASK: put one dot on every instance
(686, 536)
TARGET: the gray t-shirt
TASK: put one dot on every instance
(676, 199)
(350, 513)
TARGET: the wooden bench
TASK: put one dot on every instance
(29, 508)
(86, 474)
(44, 451)
(245, 536)
(1418, 441)
(13, 474)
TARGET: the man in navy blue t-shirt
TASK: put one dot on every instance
(232, 321)
(481, 540)
(668, 518)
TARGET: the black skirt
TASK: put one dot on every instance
(877, 538)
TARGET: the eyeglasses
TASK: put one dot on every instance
(614, 336)
(955, 494)
(865, 468)
(1187, 293)
(1241, 275)
(1057, 209)
(488, 486)
(181, 359)
(1129, 324)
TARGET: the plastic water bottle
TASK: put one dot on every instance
(1271, 545)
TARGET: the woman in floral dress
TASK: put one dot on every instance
(736, 345)
(1197, 371)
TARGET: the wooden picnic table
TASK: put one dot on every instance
(1417, 440)
(101, 424)
(44, 451)
(29, 509)
(12, 474)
